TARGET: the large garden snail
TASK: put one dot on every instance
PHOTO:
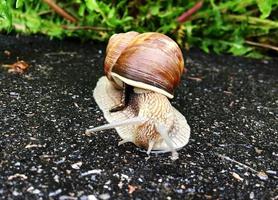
(142, 71)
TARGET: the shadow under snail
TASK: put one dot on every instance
(142, 71)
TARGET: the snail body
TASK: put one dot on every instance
(150, 65)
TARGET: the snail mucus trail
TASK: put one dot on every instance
(142, 71)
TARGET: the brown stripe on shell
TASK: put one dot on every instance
(117, 43)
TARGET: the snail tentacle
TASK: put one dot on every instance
(131, 121)
(163, 131)
(150, 147)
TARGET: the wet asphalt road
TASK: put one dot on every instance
(230, 103)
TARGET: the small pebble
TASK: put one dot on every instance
(251, 195)
(55, 193)
(76, 165)
(104, 196)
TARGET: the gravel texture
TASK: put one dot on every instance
(229, 102)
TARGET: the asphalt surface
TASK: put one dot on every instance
(229, 102)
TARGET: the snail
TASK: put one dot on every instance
(141, 73)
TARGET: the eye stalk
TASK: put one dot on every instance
(132, 121)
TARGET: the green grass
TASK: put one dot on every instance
(240, 27)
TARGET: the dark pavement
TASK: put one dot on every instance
(229, 102)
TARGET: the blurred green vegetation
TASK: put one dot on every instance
(239, 27)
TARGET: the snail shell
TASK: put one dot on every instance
(152, 63)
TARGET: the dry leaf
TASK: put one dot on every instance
(131, 189)
(262, 175)
(17, 67)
